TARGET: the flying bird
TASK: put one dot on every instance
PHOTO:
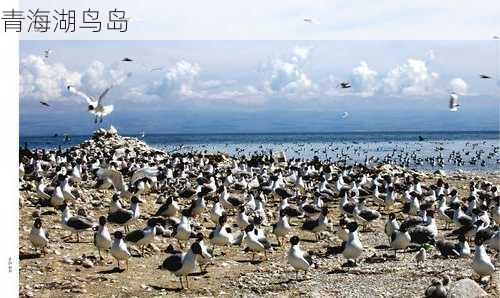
(310, 20)
(127, 59)
(345, 115)
(156, 69)
(484, 76)
(344, 85)
(95, 106)
(454, 102)
(44, 103)
(46, 53)
(133, 19)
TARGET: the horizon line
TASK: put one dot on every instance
(282, 133)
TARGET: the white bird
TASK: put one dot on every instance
(345, 115)
(216, 212)
(119, 249)
(95, 106)
(102, 238)
(297, 258)
(282, 227)
(133, 19)
(454, 102)
(310, 20)
(185, 263)
(39, 238)
(254, 242)
(46, 53)
(481, 263)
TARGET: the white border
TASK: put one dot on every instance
(9, 121)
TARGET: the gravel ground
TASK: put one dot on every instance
(232, 273)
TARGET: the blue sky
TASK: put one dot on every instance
(257, 86)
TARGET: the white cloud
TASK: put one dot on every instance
(412, 79)
(178, 80)
(97, 77)
(364, 79)
(286, 75)
(41, 80)
(458, 86)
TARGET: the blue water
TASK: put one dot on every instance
(309, 144)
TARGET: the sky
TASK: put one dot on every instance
(281, 19)
(260, 86)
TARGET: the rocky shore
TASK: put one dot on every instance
(73, 269)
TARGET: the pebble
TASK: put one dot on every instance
(87, 263)
(68, 260)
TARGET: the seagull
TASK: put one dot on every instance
(254, 243)
(420, 256)
(318, 225)
(297, 258)
(39, 238)
(75, 224)
(119, 249)
(156, 69)
(126, 217)
(169, 209)
(344, 85)
(282, 227)
(102, 238)
(310, 20)
(352, 248)
(400, 239)
(391, 225)
(482, 76)
(183, 264)
(95, 106)
(481, 263)
(454, 102)
(141, 238)
(46, 53)
(438, 288)
(345, 115)
(44, 103)
(133, 19)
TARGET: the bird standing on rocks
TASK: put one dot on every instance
(481, 263)
(75, 224)
(102, 238)
(119, 249)
(297, 258)
(183, 264)
(420, 256)
(39, 238)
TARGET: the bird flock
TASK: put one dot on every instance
(258, 203)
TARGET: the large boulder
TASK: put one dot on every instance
(466, 288)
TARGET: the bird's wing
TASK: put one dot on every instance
(144, 172)
(453, 101)
(89, 99)
(103, 94)
(115, 176)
